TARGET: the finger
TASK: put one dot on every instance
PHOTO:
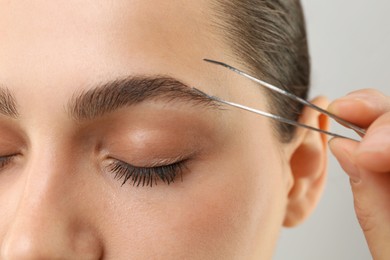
(371, 192)
(373, 153)
(341, 149)
(361, 107)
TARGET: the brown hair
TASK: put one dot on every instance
(269, 37)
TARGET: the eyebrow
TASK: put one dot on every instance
(8, 104)
(110, 96)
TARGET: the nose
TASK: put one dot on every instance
(48, 240)
(48, 222)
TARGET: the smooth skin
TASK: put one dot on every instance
(368, 164)
(58, 201)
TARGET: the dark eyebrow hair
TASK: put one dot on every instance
(8, 103)
(110, 96)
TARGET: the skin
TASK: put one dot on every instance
(367, 164)
(240, 184)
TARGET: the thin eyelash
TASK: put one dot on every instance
(5, 160)
(146, 176)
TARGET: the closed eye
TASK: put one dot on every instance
(5, 160)
(146, 176)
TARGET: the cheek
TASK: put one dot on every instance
(229, 207)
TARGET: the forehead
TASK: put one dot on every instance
(48, 40)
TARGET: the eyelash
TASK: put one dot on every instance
(139, 176)
(5, 160)
(146, 176)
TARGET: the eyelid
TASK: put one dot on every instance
(163, 162)
(5, 160)
(150, 159)
(146, 175)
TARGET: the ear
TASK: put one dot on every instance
(307, 156)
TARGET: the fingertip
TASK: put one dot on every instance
(333, 107)
(333, 144)
(343, 106)
(366, 93)
(355, 110)
(343, 149)
(361, 107)
(373, 153)
(342, 145)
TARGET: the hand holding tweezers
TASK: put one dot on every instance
(343, 122)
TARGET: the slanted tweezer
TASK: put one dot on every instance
(271, 87)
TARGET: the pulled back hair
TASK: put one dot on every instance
(269, 38)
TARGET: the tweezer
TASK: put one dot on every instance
(271, 87)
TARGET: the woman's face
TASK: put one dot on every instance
(104, 119)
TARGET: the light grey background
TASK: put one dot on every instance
(349, 42)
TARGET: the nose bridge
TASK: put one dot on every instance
(45, 179)
(46, 224)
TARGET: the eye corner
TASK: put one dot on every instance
(6, 160)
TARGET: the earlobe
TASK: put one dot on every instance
(308, 165)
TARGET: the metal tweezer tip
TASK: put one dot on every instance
(271, 87)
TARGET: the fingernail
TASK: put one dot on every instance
(359, 94)
(340, 104)
(332, 108)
